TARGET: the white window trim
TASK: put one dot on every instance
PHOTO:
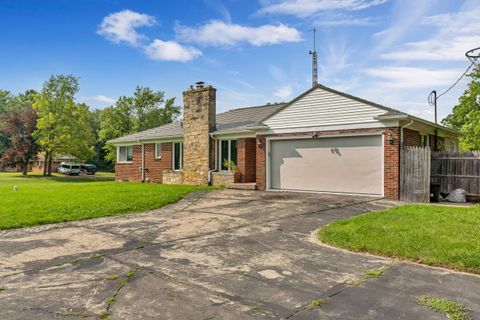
(181, 156)
(427, 139)
(118, 154)
(158, 147)
(220, 158)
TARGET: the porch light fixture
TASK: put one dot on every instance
(390, 138)
(260, 144)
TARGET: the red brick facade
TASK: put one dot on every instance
(411, 138)
(251, 155)
(246, 160)
(391, 157)
(153, 166)
(130, 171)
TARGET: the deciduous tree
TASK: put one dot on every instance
(465, 115)
(63, 125)
(146, 109)
(18, 125)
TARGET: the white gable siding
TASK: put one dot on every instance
(321, 108)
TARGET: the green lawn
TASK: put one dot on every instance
(42, 200)
(434, 235)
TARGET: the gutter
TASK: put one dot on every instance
(143, 140)
(410, 117)
(142, 168)
(401, 131)
(215, 141)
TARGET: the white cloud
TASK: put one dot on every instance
(305, 8)
(407, 15)
(335, 58)
(454, 34)
(411, 77)
(120, 27)
(277, 73)
(345, 21)
(99, 100)
(284, 93)
(171, 51)
(435, 49)
(219, 33)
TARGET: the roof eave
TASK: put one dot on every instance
(139, 140)
(410, 117)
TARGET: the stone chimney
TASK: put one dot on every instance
(199, 112)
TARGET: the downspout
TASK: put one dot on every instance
(215, 142)
(401, 132)
(142, 168)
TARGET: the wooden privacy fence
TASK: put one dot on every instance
(454, 170)
(415, 174)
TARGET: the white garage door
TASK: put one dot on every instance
(341, 164)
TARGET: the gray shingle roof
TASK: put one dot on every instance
(245, 119)
(236, 120)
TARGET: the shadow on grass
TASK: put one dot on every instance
(73, 179)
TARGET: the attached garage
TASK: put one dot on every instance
(341, 164)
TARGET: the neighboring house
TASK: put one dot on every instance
(37, 164)
(323, 140)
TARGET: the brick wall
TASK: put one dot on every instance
(391, 157)
(129, 171)
(153, 167)
(261, 146)
(391, 187)
(411, 138)
(246, 160)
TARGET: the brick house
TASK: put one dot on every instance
(323, 141)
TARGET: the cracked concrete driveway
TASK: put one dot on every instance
(219, 255)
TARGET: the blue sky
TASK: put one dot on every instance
(392, 52)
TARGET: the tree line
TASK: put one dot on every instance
(53, 122)
(465, 116)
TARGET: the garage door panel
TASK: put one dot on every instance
(344, 164)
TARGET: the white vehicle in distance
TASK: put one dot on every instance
(70, 169)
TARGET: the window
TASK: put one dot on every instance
(158, 150)
(125, 154)
(228, 151)
(177, 156)
(425, 140)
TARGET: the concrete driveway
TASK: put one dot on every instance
(219, 255)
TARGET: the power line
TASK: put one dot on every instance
(458, 80)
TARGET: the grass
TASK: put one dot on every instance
(453, 310)
(43, 200)
(113, 277)
(314, 304)
(375, 273)
(433, 235)
(113, 298)
(256, 309)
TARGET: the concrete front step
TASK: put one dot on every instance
(242, 186)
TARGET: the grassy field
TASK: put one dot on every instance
(43, 200)
(434, 235)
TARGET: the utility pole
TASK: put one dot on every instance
(314, 60)
(432, 100)
(473, 55)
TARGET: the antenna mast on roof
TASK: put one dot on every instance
(314, 60)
